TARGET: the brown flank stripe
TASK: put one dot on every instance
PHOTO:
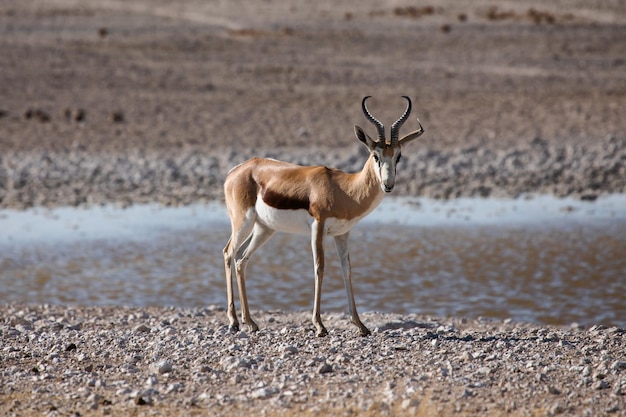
(283, 201)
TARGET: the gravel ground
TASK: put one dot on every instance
(53, 179)
(167, 361)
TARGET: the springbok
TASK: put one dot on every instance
(264, 196)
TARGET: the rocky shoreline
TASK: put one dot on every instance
(47, 178)
(68, 360)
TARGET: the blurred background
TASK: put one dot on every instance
(114, 103)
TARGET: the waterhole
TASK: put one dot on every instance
(541, 259)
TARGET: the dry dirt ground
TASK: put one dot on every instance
(114, 75)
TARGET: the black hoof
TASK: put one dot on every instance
(234, 328)
(322, 333)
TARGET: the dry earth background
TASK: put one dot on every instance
(118, 101)
(140, 101)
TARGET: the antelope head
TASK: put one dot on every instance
(385, 154)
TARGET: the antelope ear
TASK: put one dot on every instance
(413, 135)
(364, 138)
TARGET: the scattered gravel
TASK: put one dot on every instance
(46, 178)
(58, 360)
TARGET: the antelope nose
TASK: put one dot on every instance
(388, 188)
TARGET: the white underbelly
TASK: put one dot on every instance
(288, 221)
(299, 221)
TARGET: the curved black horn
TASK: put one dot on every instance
(379, 126)
(395, 128)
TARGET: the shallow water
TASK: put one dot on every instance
(543, 260)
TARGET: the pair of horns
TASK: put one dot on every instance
(395, 127)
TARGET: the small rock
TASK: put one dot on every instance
(173, 388)
(141, 400)
(22, 328)
(484, 370)
(97, 383)
(409, 403)
(117, 117)
(554, 390)
(232, 362)
(142, 329)
(152, 381)
(163, 367)
(589, 197)
(93, 401)
(325, 368)
(290, 349)
(260, 393)
(467, 393)
(612, 409)
(502, 345)
(597, 328)
(170, 331)
(600, 385)
(556, 409)
(37, 114)
(76, 115)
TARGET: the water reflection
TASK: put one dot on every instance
(571, 269)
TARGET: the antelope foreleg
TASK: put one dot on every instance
(317, 245)
(341, 242)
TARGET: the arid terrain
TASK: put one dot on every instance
(154, 101)
(111, 101)
(115, 75)
(69, 361)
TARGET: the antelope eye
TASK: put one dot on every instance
(398, 158)
(376, 158)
